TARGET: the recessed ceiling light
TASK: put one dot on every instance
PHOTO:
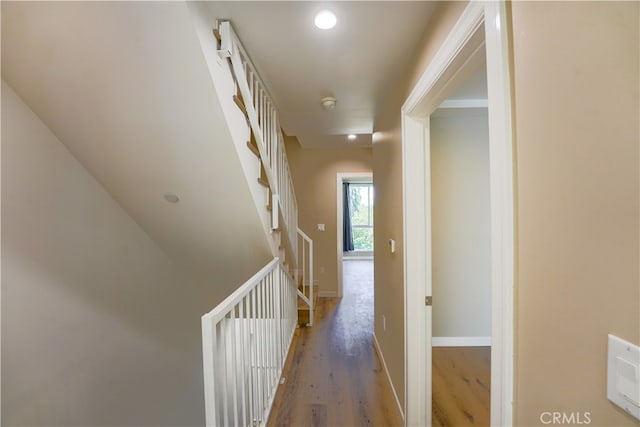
(351, 137)
(171, 197)
(325, 20)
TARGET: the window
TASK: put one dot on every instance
(361, 198)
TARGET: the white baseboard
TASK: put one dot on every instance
(460, 341)
(386, 371)
(327, 294)
(358, 257)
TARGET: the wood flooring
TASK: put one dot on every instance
(333, 375)
(461, 386)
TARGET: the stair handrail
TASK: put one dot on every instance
(263, 118)
(305, 267)
(245, 342)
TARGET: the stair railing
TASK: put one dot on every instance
(304, 273)
(263, 118)
(245, 342)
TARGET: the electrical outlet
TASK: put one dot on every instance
(384, 323)
(321, 270)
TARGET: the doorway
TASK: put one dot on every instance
(461, 254)
(357, 208)
(479, 33)
(355, 198)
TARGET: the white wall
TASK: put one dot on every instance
(99, 327)
(460, 224)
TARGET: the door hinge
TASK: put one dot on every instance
(428, 301)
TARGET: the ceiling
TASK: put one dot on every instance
(126, 88)
(355, 61)
(124, 85)
(469, 96)
(474, 87)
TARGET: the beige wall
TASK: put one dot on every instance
(99, 327)
(576, 111)
(460, 223)
(387, 180)
(315, 179)
(576, 105)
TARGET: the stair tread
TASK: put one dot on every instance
(303, 317)
(254, 149)
(263, 179)
(240, 103)
(304, 311)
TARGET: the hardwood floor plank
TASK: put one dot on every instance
(461, 386)
(334, 377)
(318, 415)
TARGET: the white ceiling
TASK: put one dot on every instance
(467, 97)
(473, 87)
(355, 61)
(124, 85)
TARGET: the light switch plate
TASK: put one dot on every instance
(623, 375)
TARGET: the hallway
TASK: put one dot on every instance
(333, 375)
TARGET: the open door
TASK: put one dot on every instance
(418, 285)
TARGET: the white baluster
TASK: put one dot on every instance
(233, 338)
(243, 343)
(254, 363)
(225, 389)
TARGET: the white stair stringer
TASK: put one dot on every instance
(239, 128)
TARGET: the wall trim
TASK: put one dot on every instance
(368, 257)
(464, 103)
(460, 341)
(376, 345)
(434, 79)
(327, 294)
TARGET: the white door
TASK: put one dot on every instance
(417, 271)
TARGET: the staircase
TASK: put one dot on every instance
(267, 144)
(305, 316)
(303, 275)
(247, 337)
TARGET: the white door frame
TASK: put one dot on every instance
(341, 177)
(481, 25)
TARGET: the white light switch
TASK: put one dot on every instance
(623, 375)
(627, 380)
(320, 227)
(392, 246)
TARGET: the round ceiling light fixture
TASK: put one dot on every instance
(325, 20)
(329, 102)
(171, 197)
(351, 137)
